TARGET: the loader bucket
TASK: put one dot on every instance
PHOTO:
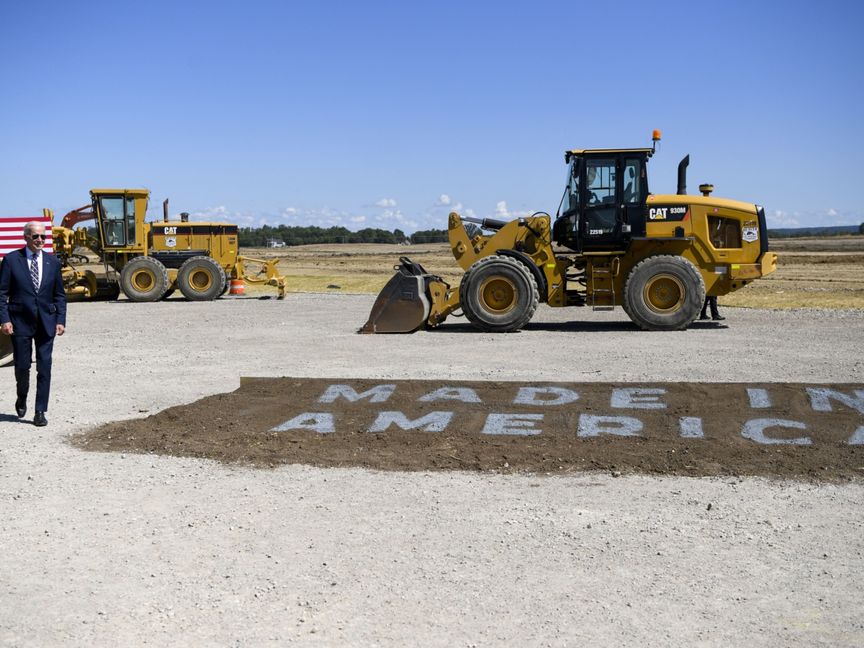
(402, 305)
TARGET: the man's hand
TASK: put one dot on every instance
(60, 329)
(7, 328)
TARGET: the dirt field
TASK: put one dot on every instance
(812, 273)
(511, 427)
(104, 548)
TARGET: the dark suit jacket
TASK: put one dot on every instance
(19, 301)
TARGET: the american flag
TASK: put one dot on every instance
(12, 233)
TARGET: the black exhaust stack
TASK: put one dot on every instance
(682, 175)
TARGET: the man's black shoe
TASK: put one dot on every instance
(20, 407)
(703, 317)
(718, 318)
(40, 419)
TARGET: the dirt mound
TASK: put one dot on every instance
(784, 430)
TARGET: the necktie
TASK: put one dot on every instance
(34, 271)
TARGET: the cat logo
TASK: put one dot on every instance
(675, 213)
(170, 230)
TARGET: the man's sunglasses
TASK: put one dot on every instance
(39, 236)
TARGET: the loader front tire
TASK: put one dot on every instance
(201, 278)
(498, 294)
(144, 279)
(664, 293)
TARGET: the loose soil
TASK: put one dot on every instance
(243, 427)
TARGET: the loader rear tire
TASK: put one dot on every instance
(664, 293)
(144, 279)
(201, 278)
(498, 294)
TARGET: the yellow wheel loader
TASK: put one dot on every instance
(149, 261)
(612, 243)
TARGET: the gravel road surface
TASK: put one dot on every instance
(107, 549)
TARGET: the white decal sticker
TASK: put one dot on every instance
(170, 242)
(750, 234)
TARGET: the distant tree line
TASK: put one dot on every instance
(293, 235)
(836, 230)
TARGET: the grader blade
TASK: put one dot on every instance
(402, 305)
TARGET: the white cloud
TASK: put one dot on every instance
(384, 214)
(779, 218)
(826, 217)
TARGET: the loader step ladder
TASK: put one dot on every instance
(602, 297)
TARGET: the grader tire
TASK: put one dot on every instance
(144, 279)
(498, 294)
(664, 293)
(201, 278)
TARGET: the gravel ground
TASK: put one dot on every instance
(111, 549)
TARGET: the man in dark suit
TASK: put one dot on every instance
(32, 310)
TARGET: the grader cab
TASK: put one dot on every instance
(149, 261)
(612, 243)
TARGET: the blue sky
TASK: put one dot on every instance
(391, 114)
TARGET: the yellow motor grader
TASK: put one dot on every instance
(148, 261)
(612, 243)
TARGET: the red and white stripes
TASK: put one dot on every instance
(12, 233)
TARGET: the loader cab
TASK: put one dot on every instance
(604, 201)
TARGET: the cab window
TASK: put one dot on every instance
(118, 220)
(632, 189)
(600, 180)
(571, 195)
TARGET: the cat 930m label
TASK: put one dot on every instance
(668, 212)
